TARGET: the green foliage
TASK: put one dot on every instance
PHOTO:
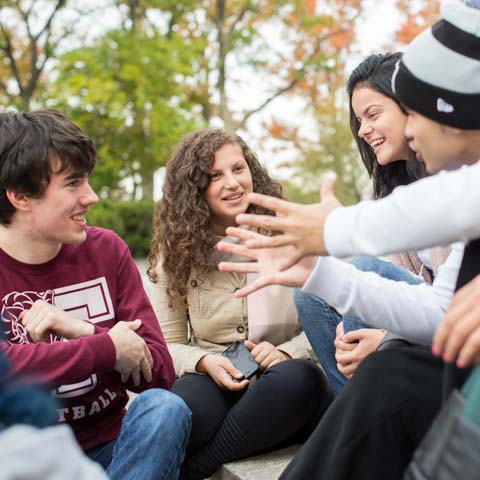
(333, 152)
(132, 220)
(125, 92)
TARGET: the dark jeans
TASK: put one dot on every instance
(282, 407)
(373, 427)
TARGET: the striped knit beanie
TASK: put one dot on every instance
(439, 73)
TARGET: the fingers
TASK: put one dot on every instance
(39, 331)
(252, 287)
(266, 355)
(470, 351)
(347, 370)
(146, 364)
(271, 203)
(462, 328)
(135, 374)
(339, 330)
(457, 311)
(228, 377)
(242, 234)
(295, 257)
(233, 385)
(276, 356)
(250, 345)
(260, 351)
(146, 371)
(355, 335)
(344, 346)
(240, 267)
(135, 325)
(268, 222)
(268, 242)
(228, 366)
(237, 249)
(148, 355)
(36, 321)
(345, 357)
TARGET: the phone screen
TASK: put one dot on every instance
(241, 358)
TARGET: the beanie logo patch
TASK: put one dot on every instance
(443, 106)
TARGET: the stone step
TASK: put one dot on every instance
(268, 466)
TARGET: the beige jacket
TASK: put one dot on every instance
(214, 319)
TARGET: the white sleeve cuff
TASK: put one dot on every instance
(329, 279)
(338, 229)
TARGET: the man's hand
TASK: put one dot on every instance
(43, 317)
(222, 372)
(302, 225)
(265, 354)
(133, 355)
(265, 261)
(458, 335)
(353, 347)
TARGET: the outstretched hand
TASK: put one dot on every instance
(267, 262)
(301, 225)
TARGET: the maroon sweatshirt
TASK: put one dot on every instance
(96, 281)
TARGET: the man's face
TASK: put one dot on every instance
(434, 143)
(58, 216)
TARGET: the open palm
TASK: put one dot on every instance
(267, 262)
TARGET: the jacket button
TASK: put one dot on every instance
(240, 329)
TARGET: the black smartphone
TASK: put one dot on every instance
(241, 358)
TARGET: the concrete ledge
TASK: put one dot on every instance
(268, 466)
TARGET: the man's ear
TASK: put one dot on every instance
(18, 199)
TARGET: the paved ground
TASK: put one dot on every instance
(142, 265)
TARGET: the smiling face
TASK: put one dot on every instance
(58, 216)
(231, 181)
(382, 125)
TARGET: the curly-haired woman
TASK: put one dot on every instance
(207, 181)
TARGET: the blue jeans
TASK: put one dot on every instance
(320, 321)
(152, 441)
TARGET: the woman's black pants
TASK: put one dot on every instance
(280, 408)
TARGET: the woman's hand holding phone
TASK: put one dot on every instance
(265, 354)
(222, 372)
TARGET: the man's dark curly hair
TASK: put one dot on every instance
(182, 233)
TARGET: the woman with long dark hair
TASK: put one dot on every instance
(377, 121)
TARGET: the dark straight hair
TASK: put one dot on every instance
(376, 72)
(29, 143)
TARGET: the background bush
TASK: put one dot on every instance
(132, 220)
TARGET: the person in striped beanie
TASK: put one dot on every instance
(373, 428)
(438, 80)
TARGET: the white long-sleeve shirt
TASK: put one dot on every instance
(437, 210)
(412, 311)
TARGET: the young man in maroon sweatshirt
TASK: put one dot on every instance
(73, 305)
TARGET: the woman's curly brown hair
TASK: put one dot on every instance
(181, 223)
